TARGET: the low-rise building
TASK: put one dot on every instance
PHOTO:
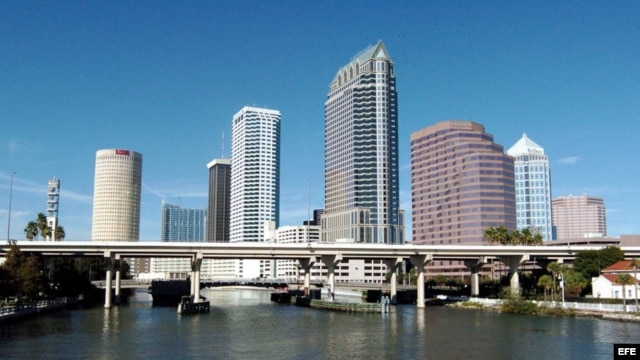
(608, 286)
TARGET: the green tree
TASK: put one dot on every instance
(624, 280)
(14, 261)
(575, 282)
(526, 237)
(31, 278)
(590, 262)
(43, 226)
(555, 269)
(547, 283)
(59, 233)
(537, 239)
(515, 238)
(610, 255)
(490, 235)
(502, 235)
(587, 263)
(31, 230)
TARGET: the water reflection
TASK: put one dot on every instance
(245, 324)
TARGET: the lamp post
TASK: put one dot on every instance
(561, 277)
(9, 216)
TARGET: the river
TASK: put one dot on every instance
(244, 324)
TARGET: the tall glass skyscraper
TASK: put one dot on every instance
(533, 187)
(255, 172)
(182, 224)
(361, 152)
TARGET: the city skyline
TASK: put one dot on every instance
(165, 78)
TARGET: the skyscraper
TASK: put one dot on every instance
(579, 216)
(116, 196)
(182, 224)
(361, 152)
(461, 184)
(533, 187)
(179, 224)
(255, 172)
(219, 198)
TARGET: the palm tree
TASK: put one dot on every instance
(515, 238)
(59, 233)
(537, 239)
(502, 235)
(490, 235)
(624, 280)
(526, 237)
(546, 282)
(554, 268)
(635, 263)
(44, 228)
(31, 230)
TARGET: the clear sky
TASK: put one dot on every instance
(165, 78)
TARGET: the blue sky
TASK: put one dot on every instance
(164, 78)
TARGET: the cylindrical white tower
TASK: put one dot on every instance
(116, 196)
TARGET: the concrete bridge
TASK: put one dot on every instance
(307, 255)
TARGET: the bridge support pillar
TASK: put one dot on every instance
(330, 261)
(307, 264)
(513, 262)
(420, 261)
(393, 265)
(108, 258)
(196, 263)
(117, 268)
(475, 266)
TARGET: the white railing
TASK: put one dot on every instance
(567, 305)
(32, 306)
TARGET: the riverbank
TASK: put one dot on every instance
(24, 311)
(555, 310)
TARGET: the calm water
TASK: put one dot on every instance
(244, 324)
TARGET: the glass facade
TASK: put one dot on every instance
(533, 187)
(361, 152)
(180, 224)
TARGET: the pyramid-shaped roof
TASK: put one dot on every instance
(525, 146)
(377, 51)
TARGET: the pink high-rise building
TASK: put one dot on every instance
(461, 184)
(579, 216)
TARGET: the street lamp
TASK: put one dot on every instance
(9, 217)
(561, 277)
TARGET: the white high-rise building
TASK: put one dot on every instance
(255, 179)
(116, 196)
(533, 187)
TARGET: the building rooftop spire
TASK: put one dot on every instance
(376, 51)
(525, 146)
